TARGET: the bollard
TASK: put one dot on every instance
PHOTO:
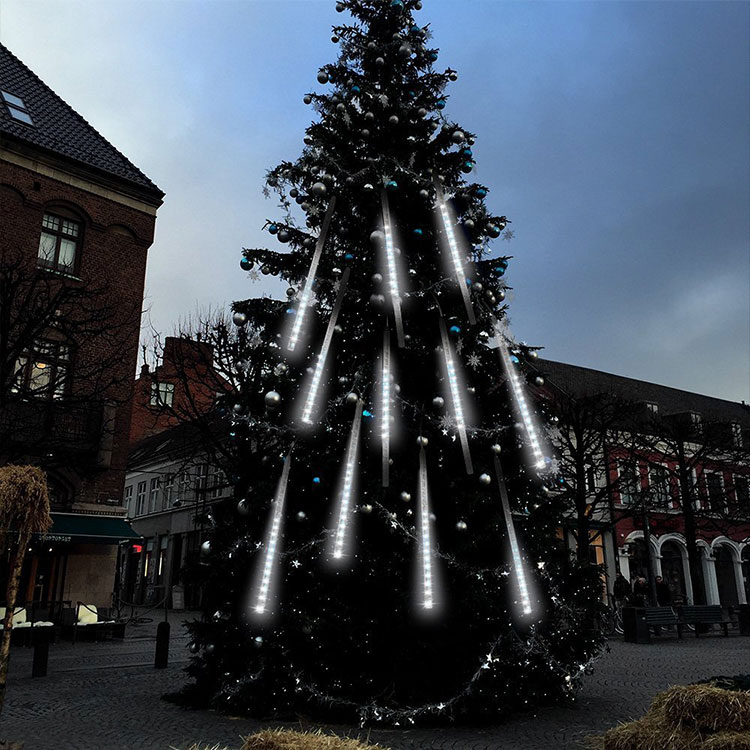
(41, 652)
(162, 645)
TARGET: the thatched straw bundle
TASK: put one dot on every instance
(705, 707)
(694, 717)
(24, 501)
(280, 739)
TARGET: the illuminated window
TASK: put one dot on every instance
(58, 243)
(44, 370)
(162, 394)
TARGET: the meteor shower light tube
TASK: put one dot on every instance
(348, 485)
(428, 601)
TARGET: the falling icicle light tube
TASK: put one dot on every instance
(425, 550)
(520, 399)
(385, 408)
(347, 487)
(306, 296)
(390, 259)
(272, 541)
(515, 550)
(456, 261)
(312, 393)
(458, 409)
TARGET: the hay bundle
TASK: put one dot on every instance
(694, 717)
(279, 739)
(24, 501)
(705, 707)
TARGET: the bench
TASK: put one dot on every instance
(658, 617)
(704, 614)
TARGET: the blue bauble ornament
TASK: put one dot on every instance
(493, 231)
(441, 104)
(433, 56)
(355, 89)
(467, 152)
(246, 264)
(272, 228)
(455, 330)
(418, 232)
(399, 4)
(349, 256)
(316, 480)
(480, 193)
(391, 185)
(467, 166)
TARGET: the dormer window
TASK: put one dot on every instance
(695, 418)
(652, 407)
(17, 108)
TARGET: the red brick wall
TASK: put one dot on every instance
(109, 255)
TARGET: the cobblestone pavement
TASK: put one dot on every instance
(107, 695)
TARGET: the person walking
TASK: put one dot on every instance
(621, 589)
(663, 593)
(640, 592)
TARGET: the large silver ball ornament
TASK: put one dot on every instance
(406, 497)
(393, 120)
(319, 189)
(367, 508)
(379, 61)
(352, 398)
(404, 50)
(377, 278)
(307, 99)
(534, 355)
(243, 507)
(458, 136)
(422, 441)
(377, 301)
(322, 77)
(501, 294)
(377, 237)
(301, 515)
(206, 548)
(291, 292)
(539, 380)
(438, 402)
(280, 369)
(272, 399)
(461, 525)
(239, 318)
(496, 449)
(485, 479)
(477, 287)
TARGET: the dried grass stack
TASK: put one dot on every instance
(279, 739)
(693, 717)
(24, 500)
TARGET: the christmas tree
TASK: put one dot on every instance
(394, 554)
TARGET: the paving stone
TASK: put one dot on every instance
(108, 695)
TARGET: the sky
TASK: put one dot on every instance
(614, 135)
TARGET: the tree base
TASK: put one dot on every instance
(10, 745)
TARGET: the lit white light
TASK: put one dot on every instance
(428, 601)
(385, 408)
(272, 541)
(458, 409)
(390, 259)
(320, 365)
(345, 500)
(306, 296)
(515, 550)
(453, 248)
(519, 396)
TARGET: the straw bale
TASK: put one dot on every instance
(279, 739)
(728, 741)
(24, 500)
(705, 707)
(650, 733)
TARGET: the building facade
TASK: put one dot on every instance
(692, 467)
(76, 222)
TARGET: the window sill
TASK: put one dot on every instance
(56, 272)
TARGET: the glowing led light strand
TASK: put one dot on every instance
(425, 549)
(515, 550)
(458, 409)
(272, 541)
(390, 257)
(306, 296)
(522, 405)
(320, 365)
(452, 241)
(385, 408)
(345, 500)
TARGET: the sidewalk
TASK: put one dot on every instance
(107, 695)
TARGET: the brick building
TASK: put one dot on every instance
(78, 219)
(696, 453)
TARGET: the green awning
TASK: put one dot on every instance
(77, 527)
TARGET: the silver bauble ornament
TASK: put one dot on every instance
(319, 189)
(377, 237)
(365, 133)
(438, 402)
(369, 116)
(534, 355)
(501, 294)
(307, 99)
(422, 112)
(424, 194)
(272, 399)
(210, 648)
(206, 548)
(239, 318)
(406, 497)
(367, 508)
(283, 235)
(258, 641)
(379, 61)
(485, 479)
(404, 50)
(352, 398)
(340, 7)
(280, 369)
(496, 449)
(458, 136)
(461, 525)
(393, 119)
(301, 515)
(291, 292)
(243, 507)
(539, 380)
(377, 278)
(194, 648)
(422, 441)
(377, 300)
(322, 77)
(478, 287)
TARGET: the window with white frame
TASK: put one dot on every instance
(628, 483)
(217, 484)
(659, 487)
(737, 435)
(43, 370)
(140, 499)
(168, 494)
(59, 243)
(153, 495)
(742, 493)
(162, 394)
(127, 500)
(715, 497)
